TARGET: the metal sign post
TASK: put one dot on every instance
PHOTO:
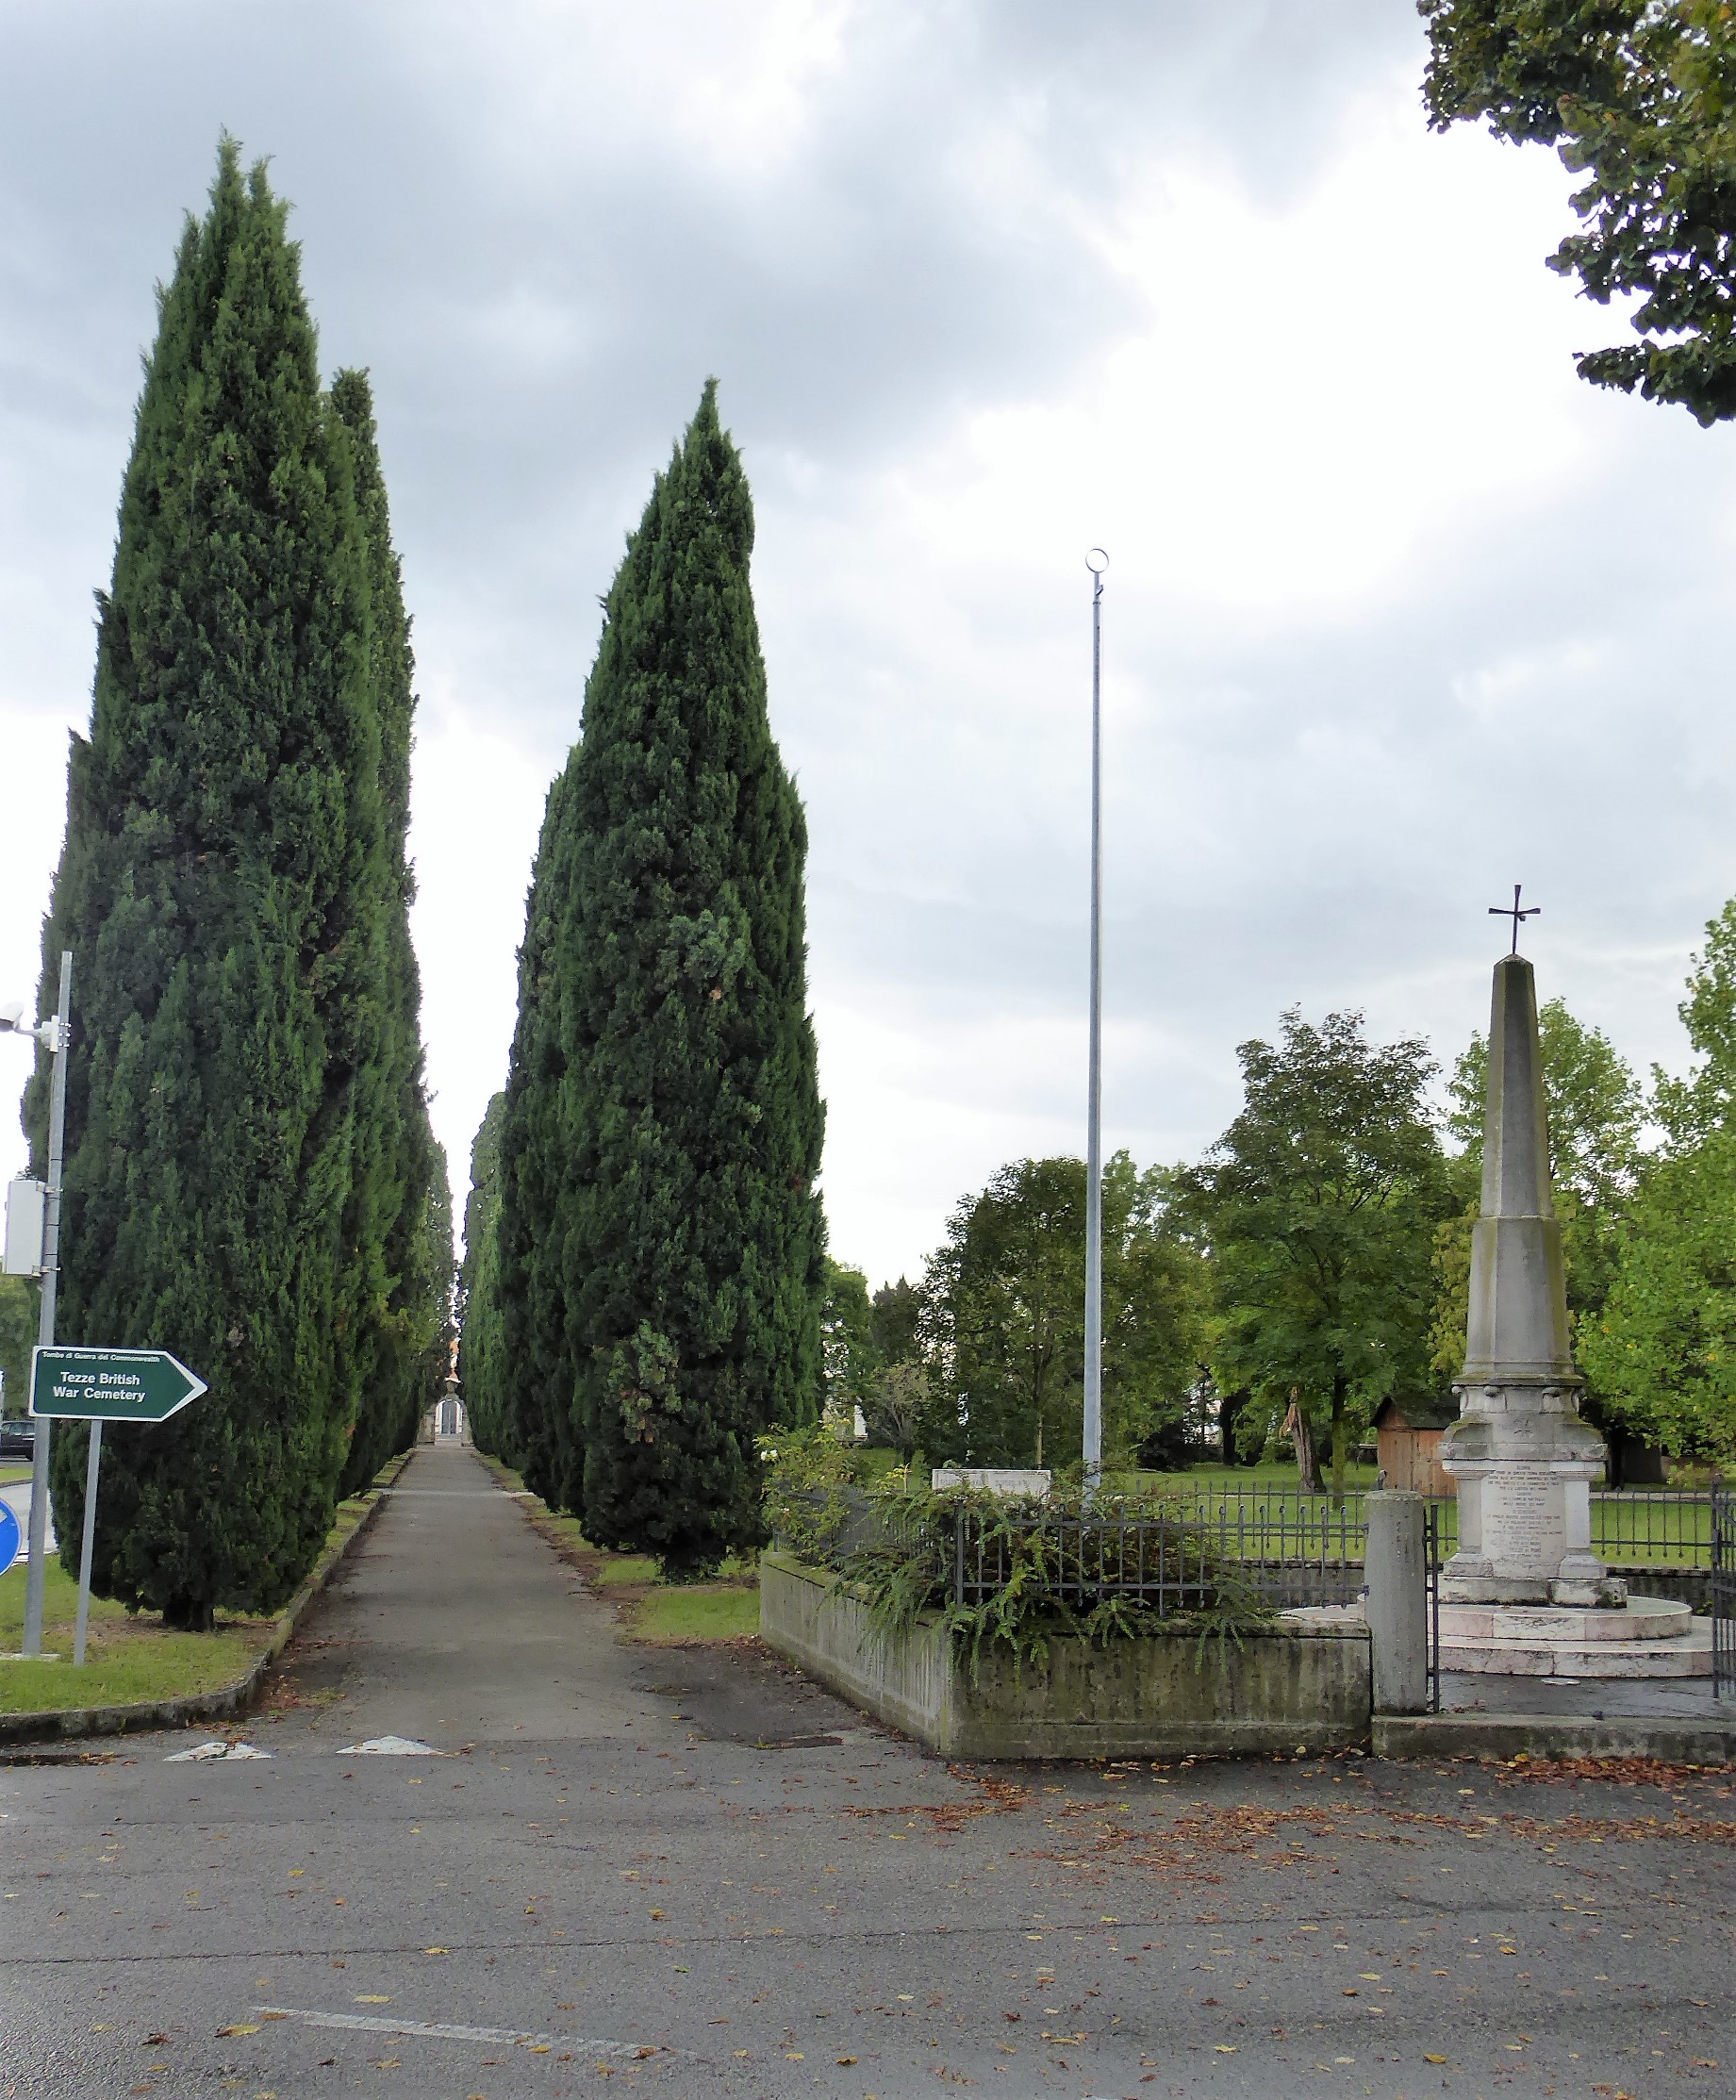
(35, 1573)
(98, 1386)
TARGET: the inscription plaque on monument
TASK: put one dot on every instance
(1525, 1525)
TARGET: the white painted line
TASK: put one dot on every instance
(448, 2030)
(210, 1753)
(391, 1746)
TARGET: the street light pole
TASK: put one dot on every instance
(1096, 561)
(35, 1573)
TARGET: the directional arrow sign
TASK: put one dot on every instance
(110, 1385)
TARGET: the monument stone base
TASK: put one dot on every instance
(1644, 1637)
(1524, 1462)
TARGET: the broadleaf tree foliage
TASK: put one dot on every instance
(1638, 97)
(1594, 1113)
(662, 1248)
(1319, 1205)
(1661, 1351)
(1003, 1326)
(250, 1178)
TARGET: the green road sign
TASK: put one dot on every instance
(110, 1385)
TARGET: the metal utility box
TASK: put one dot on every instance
(27, 1218)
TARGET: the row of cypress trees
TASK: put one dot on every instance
(251, 1177)
(645, 1245)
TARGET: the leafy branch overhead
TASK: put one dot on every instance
(1639, 98)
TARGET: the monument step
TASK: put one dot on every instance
(1642, 1618)
(1688, 1655)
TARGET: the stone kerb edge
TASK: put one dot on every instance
(1505, 1736)
(225, 1700)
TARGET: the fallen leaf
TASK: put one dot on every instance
(372, 1998)
(241, 2027)
(274, 2016)
(156, 2040)
(1225, 2048)
(847, 2060)
(1427, 2058)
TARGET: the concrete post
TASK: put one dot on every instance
(1398, 1602)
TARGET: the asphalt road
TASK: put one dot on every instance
(688, 1872)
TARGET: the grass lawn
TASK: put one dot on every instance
(1269, 1477)
(651, 1610)
(11, 1476)
(130, 1656)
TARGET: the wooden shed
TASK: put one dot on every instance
(1407, 1444)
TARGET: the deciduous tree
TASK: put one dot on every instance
(1321, 1204)
(1639, 98)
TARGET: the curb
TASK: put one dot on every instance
(1553, 1735)
(226, 1700)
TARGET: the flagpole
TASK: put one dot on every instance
(1096, 561)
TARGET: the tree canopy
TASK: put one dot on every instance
(1595, 1111)
(1319, 1205)
(1003, 1316)
(1661, 1351)
(662, 1246)
(250, 1178)
(1639, 98)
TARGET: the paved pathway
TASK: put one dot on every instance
(693, 1873)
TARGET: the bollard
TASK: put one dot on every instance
(1397, 1603)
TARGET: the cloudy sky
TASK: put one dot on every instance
(1399, 612)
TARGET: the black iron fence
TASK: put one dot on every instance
(1283, 1527)
(1434, 1553)
(1159, 1564)
(1722, 1586)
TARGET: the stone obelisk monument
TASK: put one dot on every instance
(1524, 1594)
(1521, 1455)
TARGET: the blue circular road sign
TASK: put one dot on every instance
(9, 1539)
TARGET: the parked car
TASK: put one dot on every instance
(18, 1439)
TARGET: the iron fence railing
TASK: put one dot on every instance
(1160, 1563)
(1283, 1527)
(1723, 1588)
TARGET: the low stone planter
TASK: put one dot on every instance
(1286, 1689)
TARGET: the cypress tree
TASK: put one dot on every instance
(689, 1226)
(227, 856)
(536, 1412)
(398, 1272)
(481, 1359)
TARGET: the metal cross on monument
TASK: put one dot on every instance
(1512, 911)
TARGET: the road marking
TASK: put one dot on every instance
(449, 2031)
(391, 1746)
(209, 1753)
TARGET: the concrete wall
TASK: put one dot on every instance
(1162, 1697)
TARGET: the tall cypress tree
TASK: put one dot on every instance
(481, 1359)
(226, 855)
(689, 1226)
(398, 1272)
(536, 1416)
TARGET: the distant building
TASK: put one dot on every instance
(1407, 1444)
